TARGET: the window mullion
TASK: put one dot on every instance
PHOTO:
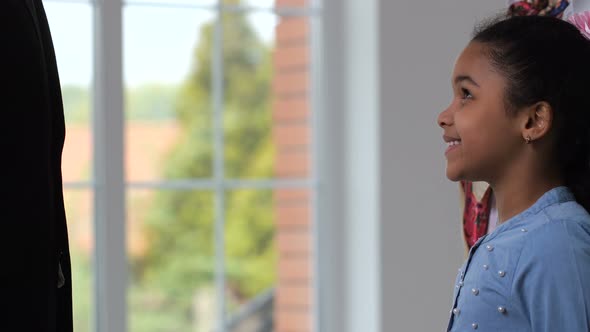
(109, 199)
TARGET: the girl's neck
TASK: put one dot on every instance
(516, 194)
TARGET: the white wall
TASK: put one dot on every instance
(420, 235)
(388, 231)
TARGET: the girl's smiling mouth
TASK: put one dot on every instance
(452, 143)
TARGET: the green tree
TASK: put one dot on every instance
(180, 226)
(76, 101)
(150, 102)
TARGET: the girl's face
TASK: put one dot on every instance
(482, 138)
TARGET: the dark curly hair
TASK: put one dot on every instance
(547, 59)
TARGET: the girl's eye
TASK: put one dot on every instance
(465, 95)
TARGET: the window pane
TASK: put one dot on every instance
(256, 3)
(79, 212)
(167, 87)
(251, 258)
(170, 249)
(278, 3)
(268, 260)
(164, 3)
(266, 118)
(260, 3)
(71, 29)
(247, 65)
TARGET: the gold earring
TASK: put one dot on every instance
(528, 139)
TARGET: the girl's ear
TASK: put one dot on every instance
(537, 121)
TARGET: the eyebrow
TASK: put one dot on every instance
(462, 78)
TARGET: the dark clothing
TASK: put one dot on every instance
(34, 242)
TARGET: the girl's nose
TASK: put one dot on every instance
(445, 118)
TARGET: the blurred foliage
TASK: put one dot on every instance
(180, 226)
(150, 102)
(179, 262)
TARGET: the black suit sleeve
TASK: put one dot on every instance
(33, 240)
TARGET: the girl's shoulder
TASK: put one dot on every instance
(567, 211)
(564, 221)
(567, 215)
(553, 270)
(560, 232)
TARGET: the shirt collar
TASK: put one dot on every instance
(556, 195)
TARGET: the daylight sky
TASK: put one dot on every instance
(158, 41)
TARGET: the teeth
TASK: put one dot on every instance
(453, 143)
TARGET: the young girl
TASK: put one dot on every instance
(520, 120)
(479, 213)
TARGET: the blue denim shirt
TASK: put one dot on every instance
(532, 273)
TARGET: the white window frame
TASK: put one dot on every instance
(348, 235)
(344, 97)
(109, 185)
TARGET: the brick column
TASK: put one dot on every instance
(291, 134)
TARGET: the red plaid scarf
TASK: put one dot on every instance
(476, 215)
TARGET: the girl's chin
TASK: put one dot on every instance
(457, 175)
(454, 175)
(454, 179)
